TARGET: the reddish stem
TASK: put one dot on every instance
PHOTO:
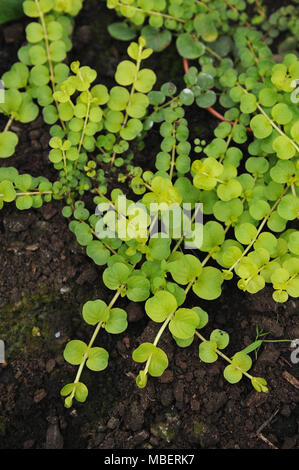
(211, 110)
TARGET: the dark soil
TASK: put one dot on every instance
(45, 278)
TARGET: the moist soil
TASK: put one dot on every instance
(45, 279)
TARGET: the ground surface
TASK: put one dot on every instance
(44, 280)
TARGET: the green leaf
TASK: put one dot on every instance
(34, 32)
(24, 202)
(185, 269)
(202, 317)
(74, 352)
(81, 392)
(288, 207)
(184, 323)
(206, 99)
(40, 75)
(132, 129)
(7, 192)
(293, 242)
(98, 252)
(67, 389)
(142, 353)
(261, 126)
(121, 31)
(177, 291)
(245, 233)
(160, 306)
(156, 39)
(220, 337)
(23, 182)
(158, 358)
(184, 343)
(138, 105)
(37, 55)
(259, 384)
(281, 113)
(208, 285)
(16, 77)
(55, 32)
(159, 248)
(232, 375)
(283, 147)
(252, 347)
(158, 364)
(97, 359)
(267, 97)
(248, 103)
(126, 73)
(242, 360)
(258, 209)
(28, 110)
(117, 322)
(138, 288)
(95, 311)
(141, 379)
(8, 142)
(189, 47)
(213, 236)
(83, 233)
(280, 296)
(11, 10)
(146, 79)
(119, 97)
(115, 276)
(229, 190)
(205, 27)
(207, 351)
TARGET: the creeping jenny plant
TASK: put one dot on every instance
(245, 177)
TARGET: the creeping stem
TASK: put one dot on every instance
(163, 327)
(138, 63)
(151, 12)
(260, 228)
(85, 125)
(8, 124)
(52, 76)
(92, 340)
(223, 355)
(210, 109)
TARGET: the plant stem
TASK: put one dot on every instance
(212, 110)
(172, 153)
(210, 51)
(162, 329)
(9, 123)
(277, 128)
(223, 356)
(110, 203)
(85, 125)
(259, 229)
(156, 13)
(182, 238)
(105, 244)
(138, 63)
(52, 76)
(33, 193)
(96, 331)
(160, 332)
(271, 122)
